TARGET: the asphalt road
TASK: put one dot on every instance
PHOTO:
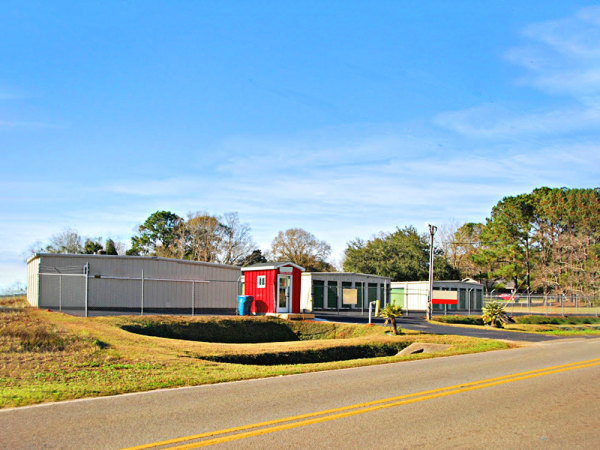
(549, 409)
(418, 322)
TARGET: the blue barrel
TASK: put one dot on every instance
(244, 304)
(241, 305)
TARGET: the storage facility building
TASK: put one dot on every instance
(413, 295)
(106, 284)
(342, 291)
(274, 287)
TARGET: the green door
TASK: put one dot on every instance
(318, 294)
(372, 294)
(397, 297)
(332, 294)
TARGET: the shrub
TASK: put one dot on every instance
(340, 353)
(246, 330)
(494, 314)
(463, 320)
(390, 313)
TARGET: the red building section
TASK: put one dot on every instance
(274, 286)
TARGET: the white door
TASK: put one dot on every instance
(284, 293)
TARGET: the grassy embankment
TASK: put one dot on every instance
(560, 326)
(48, 356)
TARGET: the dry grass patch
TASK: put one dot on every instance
(14, 302)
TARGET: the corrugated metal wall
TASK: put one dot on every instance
(133, 284)
(32, 281)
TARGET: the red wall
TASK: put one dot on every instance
(296, 287)
(264, 298)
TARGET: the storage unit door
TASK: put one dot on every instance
(318, 289)
(332, 295)
(372, 295)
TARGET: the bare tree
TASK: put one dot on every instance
(236, 242)
(446, 240)
(66, 241)
(303, 248)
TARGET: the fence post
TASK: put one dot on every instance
(469, 299)
(193, 295)
(60, 292)
(87, 277)
(142, 309)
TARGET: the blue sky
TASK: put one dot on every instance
(344, 118)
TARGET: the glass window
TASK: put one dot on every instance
(261, 281)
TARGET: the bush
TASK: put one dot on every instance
(229, 331)
(494, 314)
(463, 320)
(341, 353)
(250, 330)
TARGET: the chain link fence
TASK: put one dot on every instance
(563, 305)
(74, 291)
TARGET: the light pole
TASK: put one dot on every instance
(432, 230)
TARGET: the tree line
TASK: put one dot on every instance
(198, 237)
(547, 241)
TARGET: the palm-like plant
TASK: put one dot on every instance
(390, 313)
(494, 314)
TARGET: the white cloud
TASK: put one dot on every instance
(564, 55)
(562, 58)
(500, 123)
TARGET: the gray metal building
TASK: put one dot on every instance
(106, 284)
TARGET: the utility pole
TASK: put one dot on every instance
(432, 230)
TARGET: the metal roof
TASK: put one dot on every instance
(152, 258)
(271, 266)
(347, 273)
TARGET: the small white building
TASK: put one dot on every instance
(342, 291)
(106, 284)
(413, 295)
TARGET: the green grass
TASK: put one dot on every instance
(49, 356)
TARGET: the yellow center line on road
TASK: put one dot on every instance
(352, 410)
